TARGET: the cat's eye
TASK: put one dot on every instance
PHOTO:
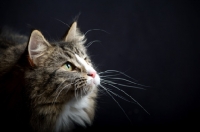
(68, 66)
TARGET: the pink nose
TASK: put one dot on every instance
(92, 74)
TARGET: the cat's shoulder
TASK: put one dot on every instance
(12, 46)
(11, 36)
(11, 42)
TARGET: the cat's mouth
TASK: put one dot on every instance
(93, 80)
(85, 85)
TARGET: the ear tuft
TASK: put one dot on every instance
(75, 35)
(37, 46)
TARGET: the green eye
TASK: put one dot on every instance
(68, 66)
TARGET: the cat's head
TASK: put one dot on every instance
(60, 71)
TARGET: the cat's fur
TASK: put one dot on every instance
(31, 70)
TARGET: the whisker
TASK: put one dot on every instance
(128, 81)
(61, 91)
(108, 71)
(130, 97)
(60, 85)
(81, 93)
(122, 84)
(101, 91)
(76, 96)
(96, 30)
(116, 102)
(111, 71)
(90, 43)
(84, 90)
(62, 22)
(106, 76)
(118, 95)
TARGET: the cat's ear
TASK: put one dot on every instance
(74, 34)
(37, 46)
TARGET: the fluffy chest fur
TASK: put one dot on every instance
(74, 111)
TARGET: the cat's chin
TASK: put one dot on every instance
(97, 80)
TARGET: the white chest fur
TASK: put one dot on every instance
(73, 113)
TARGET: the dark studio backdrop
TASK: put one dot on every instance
(155, 42)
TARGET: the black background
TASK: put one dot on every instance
(155, 42)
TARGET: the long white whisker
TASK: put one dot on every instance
(130, 97)
(116, 102)
(106, 76)
(108, 71)
(101, 91)
(62, 22)
(96, 30)
(90, 43)
(58, 89)
(128, 81)
(61, 91)
(122, 84)
(111, 71)
(60, 85)
(118, 95)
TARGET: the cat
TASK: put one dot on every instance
(55, 81)
(53, 86)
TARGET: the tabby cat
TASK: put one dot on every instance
(56, 81)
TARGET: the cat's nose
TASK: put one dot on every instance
(92, 74)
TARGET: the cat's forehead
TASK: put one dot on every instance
(73, 47)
